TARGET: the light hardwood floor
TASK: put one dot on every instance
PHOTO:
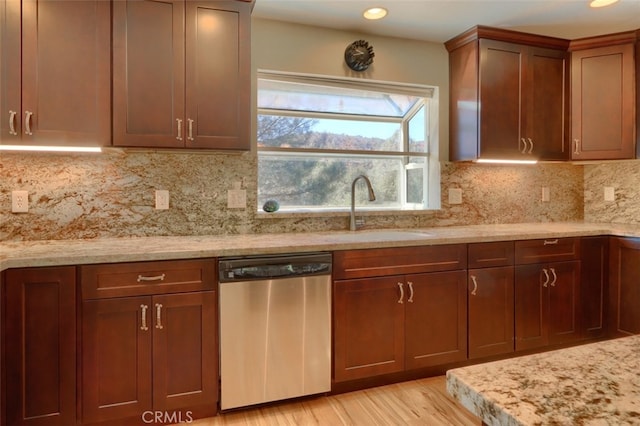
(418, 402)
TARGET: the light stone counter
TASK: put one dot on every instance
(108, 250)
(593, 384)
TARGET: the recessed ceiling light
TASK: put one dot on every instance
(601, 3)
(375, 13)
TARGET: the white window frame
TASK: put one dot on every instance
(431, 190)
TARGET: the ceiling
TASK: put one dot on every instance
(440, 20)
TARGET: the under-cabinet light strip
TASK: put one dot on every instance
(495, 161)
(50, 148)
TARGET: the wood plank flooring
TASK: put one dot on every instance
(418, 402)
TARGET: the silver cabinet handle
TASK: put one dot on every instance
(475, 285)
(159, 316)
(410, 299)
(154, 278)
(401, 293)
(12, 123)
(576, 146)
(550, 242)
(190, 134)
(524, 146)
(27, 123)
(143, 317)
(530, 145)
(555, 277)
(546, 277)
(179, 136)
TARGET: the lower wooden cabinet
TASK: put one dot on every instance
(40, 346)
(624, 286)
(148, 347)
(547, 304)
(152, 353)
(491, 311)
(391, 324)
(594, 286)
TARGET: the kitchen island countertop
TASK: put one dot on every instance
(15, 254)
(595, 384)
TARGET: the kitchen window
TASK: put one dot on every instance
(315, 135)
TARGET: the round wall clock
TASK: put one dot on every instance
(359, 55)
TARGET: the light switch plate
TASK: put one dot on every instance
(546, 196)
(162, 199)
(609, 193)
(455, 196)
(237, 199)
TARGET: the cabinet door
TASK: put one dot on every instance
(40, 337)
(564, 298)
(546, 118)
(66, 72)
(10, 72)
(531, 307)
(368, 327)
(148, 73)
(603, 103)
(116, 358)
(185, 351)
(624, 285)
(594, 286)
(218, 74)
(435, 318)
(500, 96)
(491, 314)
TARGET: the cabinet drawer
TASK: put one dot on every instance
(547, 250)
(398, 261)
(490, 255)
(146, 278)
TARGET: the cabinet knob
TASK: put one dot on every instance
(547, 278)
(555, 277)
(190, 129)
(159, 316)
(530, 145)
(576, 146)
(400, 300)
(410, 299)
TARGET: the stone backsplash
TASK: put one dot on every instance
(624, 178)
(112, 195)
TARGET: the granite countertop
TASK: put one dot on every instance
(14, 254)
(596, 384)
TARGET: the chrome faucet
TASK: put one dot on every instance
(372, 197)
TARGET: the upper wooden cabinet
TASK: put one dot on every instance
(603, 97)
(56, 81)
(507, 92)
(181, 74)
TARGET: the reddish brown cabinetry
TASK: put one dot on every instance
(155, 350)
(624, 286)
(40, 346)
(181, 72)
(594, 286)
(490, 295)
(547, 292)
(520, 82)
(56, 80)
(390, 322)
(603, 100)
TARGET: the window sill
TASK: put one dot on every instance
(293, 214)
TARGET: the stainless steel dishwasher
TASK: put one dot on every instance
(275, 327)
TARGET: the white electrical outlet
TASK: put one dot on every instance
(162, 199)
(455, 196)
(609, 193)
(237, 199)
(546, 197)
(19, 201)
